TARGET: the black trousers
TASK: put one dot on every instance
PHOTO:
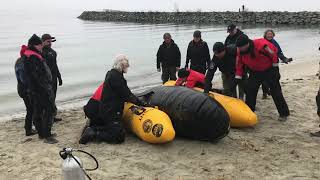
(265, 88)
(272, 80)
(168, 73)
(55, 87)
(107, 125)
(199, 68)
(28, 119)
(43, 113)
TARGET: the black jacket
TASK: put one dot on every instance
(198, 53)
(231, 40)
(168, 55)
(50, 57)
(116, 92)
(38, 74)
(226, 65)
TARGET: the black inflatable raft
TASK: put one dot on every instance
(193, 114)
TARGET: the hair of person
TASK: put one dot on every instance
(121, 62)
(266, 32)
(166, 35)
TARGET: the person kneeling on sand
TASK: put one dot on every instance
(190, 78)
(105, 107)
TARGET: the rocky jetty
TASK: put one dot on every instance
(267, 17)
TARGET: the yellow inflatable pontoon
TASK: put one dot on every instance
(240, 114)
(149, 124)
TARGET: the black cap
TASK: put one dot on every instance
(48, 36)
(34, 40)
(218, 47)
(197, 34)
(242, 40)
(182, 73)
(231, 27)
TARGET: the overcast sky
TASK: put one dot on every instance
(164, 5)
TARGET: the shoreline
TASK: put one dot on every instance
(288, 71)
(199, 17)
(272, 149)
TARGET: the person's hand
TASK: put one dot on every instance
(60, 82)
(159, 70)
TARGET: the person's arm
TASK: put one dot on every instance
(178, 63)
(119, 84)
(159, 58)
(207, 55)
(179, 82)
(239, 66)
(280, 53)
(272, 54)
(188, 57)
(209, 77)
(58, 71)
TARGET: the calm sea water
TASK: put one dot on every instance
(86, 49)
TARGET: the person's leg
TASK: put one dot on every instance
(28, 119)
(254, 83)
(277, 96)
(36, 114)
(165, 74)
(265, 90)
(226, 83)
(172, 73)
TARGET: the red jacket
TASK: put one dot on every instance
(25, 51)
(261, 62)
(98, 93)
(192, 80)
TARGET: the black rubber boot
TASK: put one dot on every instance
(87, 135)
(31, 132)
(50, 140)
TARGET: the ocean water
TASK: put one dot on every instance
(86, 50)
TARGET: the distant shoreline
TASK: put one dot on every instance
(254, 18)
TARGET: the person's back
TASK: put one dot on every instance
(190, 78)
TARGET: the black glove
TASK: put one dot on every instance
(60, 81)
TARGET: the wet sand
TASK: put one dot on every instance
(271, 150)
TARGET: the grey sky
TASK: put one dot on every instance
(165, 5)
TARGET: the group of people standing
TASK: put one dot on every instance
(38, 76)
(244, 63)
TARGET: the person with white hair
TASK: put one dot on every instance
(105, 107)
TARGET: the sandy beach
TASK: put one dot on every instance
(271, 150)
